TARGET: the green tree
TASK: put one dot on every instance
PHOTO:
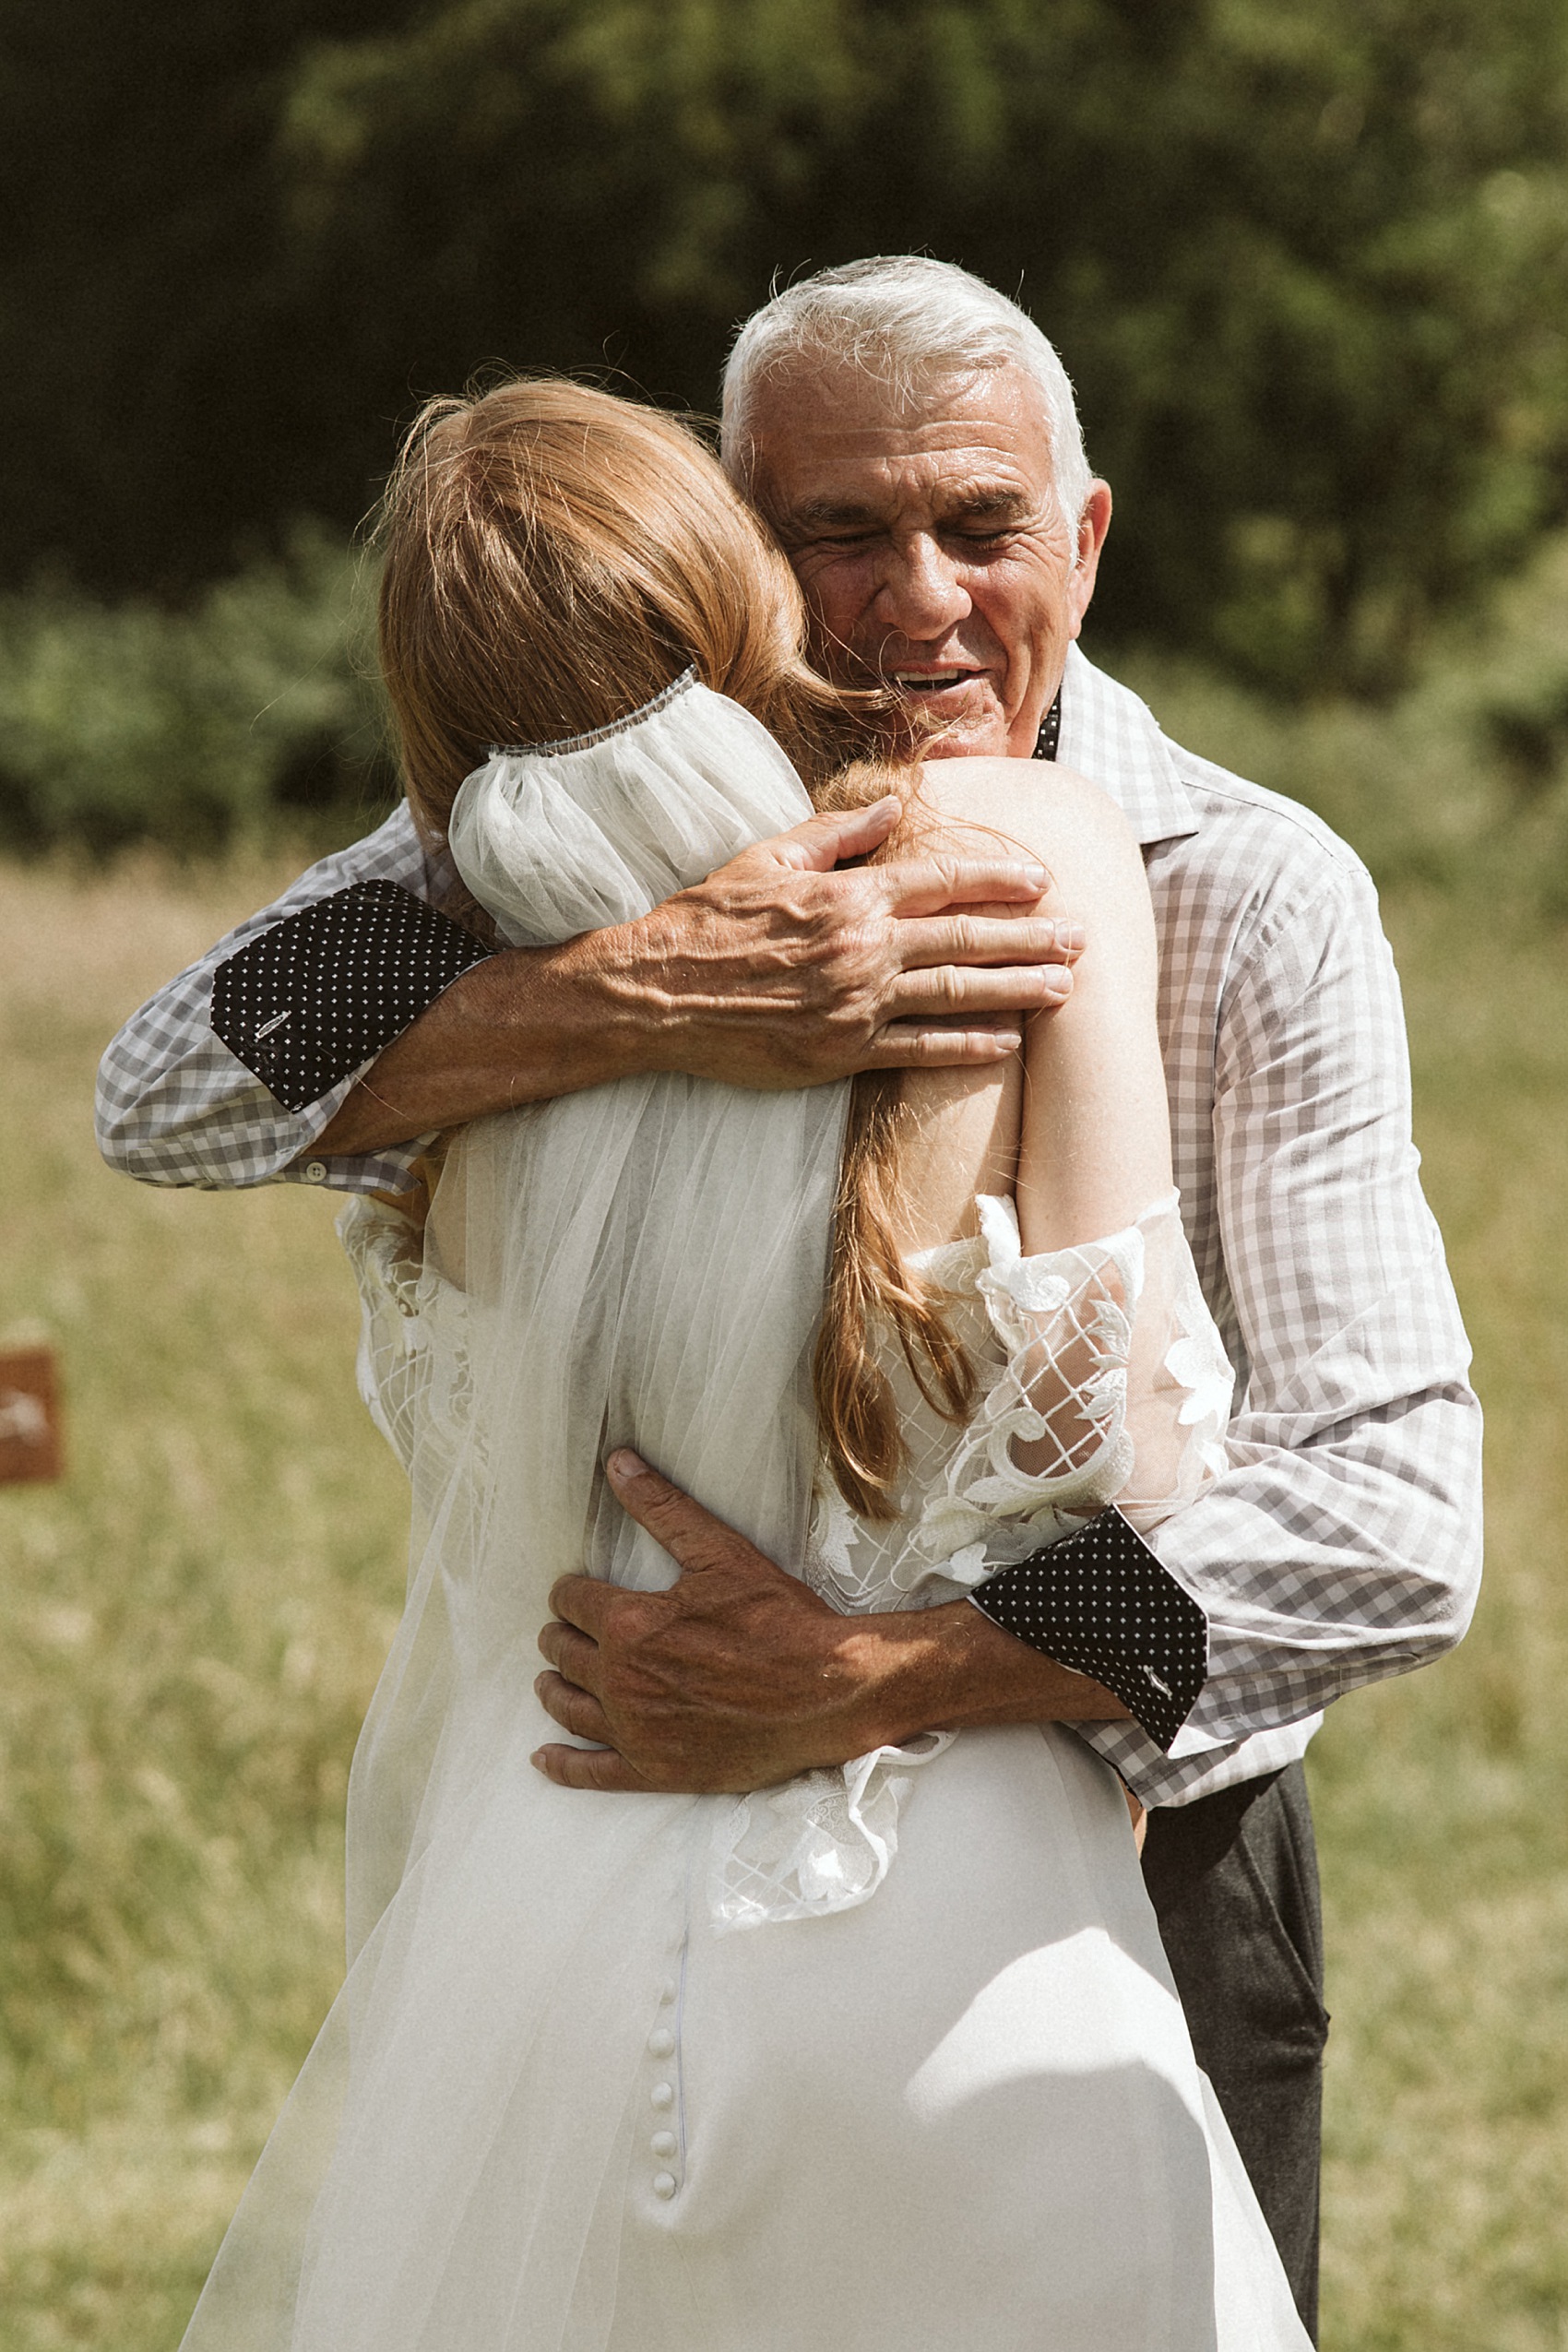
(155, 392)
(1306, 260)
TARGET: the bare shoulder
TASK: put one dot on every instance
(1048, 811)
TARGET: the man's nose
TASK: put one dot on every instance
(921, 592)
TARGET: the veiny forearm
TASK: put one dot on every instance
(951, 1667)
(769, 974)
(740, 1676)
(525, 1026)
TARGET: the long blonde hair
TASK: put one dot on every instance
(555, 556)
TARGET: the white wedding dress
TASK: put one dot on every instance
(885, 2060)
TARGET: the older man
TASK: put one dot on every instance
(911, 438)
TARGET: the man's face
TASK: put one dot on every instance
(926, 535)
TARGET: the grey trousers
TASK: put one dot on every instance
(1233, 1880)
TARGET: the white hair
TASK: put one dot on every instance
(902, 317)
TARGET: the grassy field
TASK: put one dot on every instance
(191, 1623)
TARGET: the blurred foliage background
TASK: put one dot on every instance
(1307, 263)
(1305, 259)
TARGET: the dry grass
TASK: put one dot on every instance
(1439, 1797)
(191, 1623)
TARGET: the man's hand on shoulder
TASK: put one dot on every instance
(784, 970)
(739, 1676)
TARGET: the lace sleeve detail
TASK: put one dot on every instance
(821, 1843)
(1179, 1384)
(417, 1392)
(1115, 1389)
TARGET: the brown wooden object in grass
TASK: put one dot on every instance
(30, 1415)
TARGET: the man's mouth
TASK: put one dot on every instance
(929, 681)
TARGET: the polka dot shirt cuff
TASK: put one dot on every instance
(317, 997)
(1101, 1603)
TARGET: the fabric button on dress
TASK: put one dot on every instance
(663, 2144)
(661, 2042)
(664, 2184)
(663, 2095)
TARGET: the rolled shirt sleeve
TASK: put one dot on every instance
(177, 1106)
(326, 991)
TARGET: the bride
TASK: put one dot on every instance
(886, 2059)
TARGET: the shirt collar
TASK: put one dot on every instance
(1108, 735)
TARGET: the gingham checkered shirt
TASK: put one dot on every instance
(1342, 1544)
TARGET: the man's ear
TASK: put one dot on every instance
(1093, 524)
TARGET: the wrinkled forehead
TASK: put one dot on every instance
(812, 423)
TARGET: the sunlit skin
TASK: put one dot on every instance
(929, 540)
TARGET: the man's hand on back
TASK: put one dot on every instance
(739, 1676)
(775, 971)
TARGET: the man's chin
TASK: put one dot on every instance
(961, 723)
